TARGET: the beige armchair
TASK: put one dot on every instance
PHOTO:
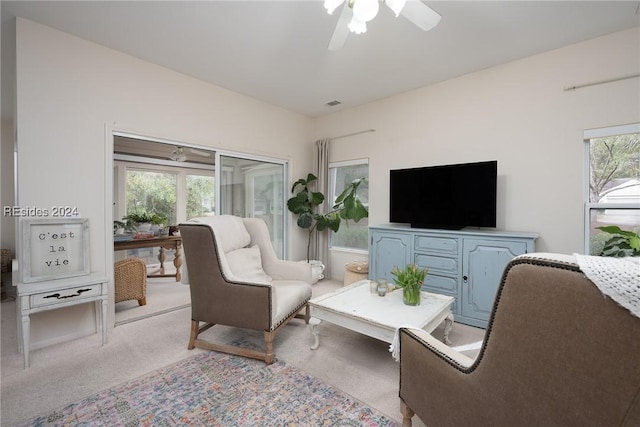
(237, 280)
(557, 352)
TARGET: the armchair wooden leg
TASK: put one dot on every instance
(407, 414)
(142, 301)
(307, 313)
(269, 356)
(194, 335)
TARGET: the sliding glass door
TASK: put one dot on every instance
(255, 188)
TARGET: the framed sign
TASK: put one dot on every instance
(54, 248)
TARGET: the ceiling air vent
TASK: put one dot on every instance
(332, 103)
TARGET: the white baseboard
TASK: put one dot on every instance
(61, 339)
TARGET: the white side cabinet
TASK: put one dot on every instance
(56, 294)
(465, 264)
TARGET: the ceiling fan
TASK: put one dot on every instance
(356, 13)
(179, 154)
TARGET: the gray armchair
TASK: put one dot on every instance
(237, 280)
(557, 352)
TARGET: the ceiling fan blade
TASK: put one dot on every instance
(341, 31)
(420, 14)
(199, 152)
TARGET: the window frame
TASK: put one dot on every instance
(590, 206)
(217, 170)
(123, 166)
(224, 172)
(333, 195)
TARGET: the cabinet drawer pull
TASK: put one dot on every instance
(58, 296)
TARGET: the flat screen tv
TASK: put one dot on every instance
(447, 196)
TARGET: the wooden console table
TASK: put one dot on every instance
(163, 242)
(60, 293)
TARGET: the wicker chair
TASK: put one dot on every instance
(6, 268)
(130, 279)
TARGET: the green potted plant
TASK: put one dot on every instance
(122, 227)
(410, 279)
(305, 202)
(142, 221)
(621, 243)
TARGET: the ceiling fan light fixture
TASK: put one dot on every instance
(332, 5)
(395, 5)
(356, 13)
(357, 27)
(365, 10)
(178, 155)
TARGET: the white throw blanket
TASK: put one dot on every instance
(617, 278)
(394, 348)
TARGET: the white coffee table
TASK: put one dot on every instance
(354, 307)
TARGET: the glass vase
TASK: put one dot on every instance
(383, 287)
(411, 296)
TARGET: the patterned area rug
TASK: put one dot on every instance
(215, 389)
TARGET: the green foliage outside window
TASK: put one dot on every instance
(200, 195)
(152, 192)
(614, 180)
(612, 158)
(155, 192)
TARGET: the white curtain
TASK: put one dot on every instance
(320, 244)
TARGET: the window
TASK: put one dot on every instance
(178, 194)
(351, 235)
(150, 176)
(612, 182)
(152, 192)
(200, 196)
(255, 188)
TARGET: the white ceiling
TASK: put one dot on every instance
(276, 51)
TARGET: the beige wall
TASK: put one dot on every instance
(7, 128)
(518, 114)
(73, 93)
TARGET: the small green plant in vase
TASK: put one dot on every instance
(410, 279)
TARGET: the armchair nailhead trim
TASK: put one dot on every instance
(273, 327)
(544, 262)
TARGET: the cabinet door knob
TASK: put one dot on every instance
(464, 278)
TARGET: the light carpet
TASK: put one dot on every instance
(216, 389)
(67, 372)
